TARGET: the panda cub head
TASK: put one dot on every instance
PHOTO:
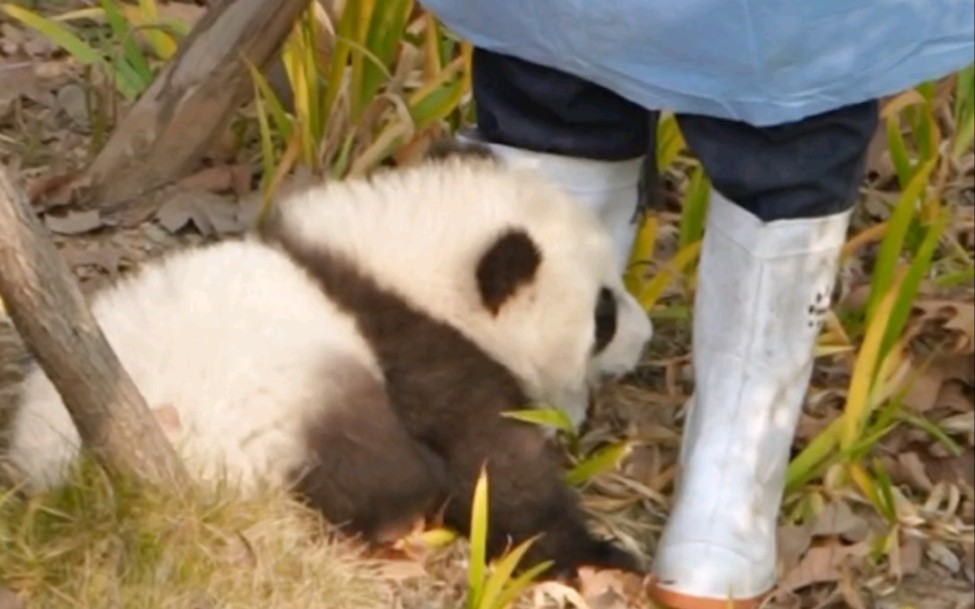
(499, 253)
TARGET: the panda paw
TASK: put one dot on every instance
(597, 554)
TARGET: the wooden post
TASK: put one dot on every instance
(51, 314)
(171, 126)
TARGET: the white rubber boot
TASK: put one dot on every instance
(762, 292)
(610, 188)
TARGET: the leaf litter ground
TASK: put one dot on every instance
(843, 554)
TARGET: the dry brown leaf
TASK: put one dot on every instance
(72, 100)
(964, 321)
(942, 554)
(809, 427)
(911, 557)
(9, 599)
(211, 214)
(836, 518)
(24, 42)
(401, 570)
(107, 258)
(793, 541)
(31, 79)
(922, 395)
(911, 470)
(820, 565)
(187, 12)
(954, 397)
(969, 562)
(74, 222)
(565, 596)
(953, 470)
(219, 179)
(611, 589)
(849, 591)
(952, 315)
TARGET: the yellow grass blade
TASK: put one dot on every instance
(856, 409)
(651, 292)
(644, 245)
(478, 541)
(56, 33)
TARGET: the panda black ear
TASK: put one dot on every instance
(510, 262)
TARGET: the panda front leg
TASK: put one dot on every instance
(365, 473)
(526, 497)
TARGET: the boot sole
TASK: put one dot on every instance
(670, 599)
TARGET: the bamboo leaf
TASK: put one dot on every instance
(501, 574)
(603, 460)
(520, 583)
(546, 417)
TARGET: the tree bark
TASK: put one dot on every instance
(53, 318)
(169, 129)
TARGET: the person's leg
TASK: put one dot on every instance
(778, 216)
(589, 140)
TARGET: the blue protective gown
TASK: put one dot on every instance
(760, 61)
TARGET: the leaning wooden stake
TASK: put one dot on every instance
(52, 316)
(175, 121)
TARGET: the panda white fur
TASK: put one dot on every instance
(363, 343)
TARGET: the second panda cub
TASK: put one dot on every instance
(362, 347)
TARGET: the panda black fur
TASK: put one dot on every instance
(363, 344)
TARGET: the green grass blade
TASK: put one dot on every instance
(670, 142)
(501, 574)
(604, 459)
(56, 33)
(932, 429)
(955, 279)
(964, 112)
(868, 362)
(885, 495)
(546, 417)
(893, 242)
(805, 466)
(437, 104)
(385, 32)
(264, 130)
(694, 208)
(478, 541)
(518, 584)
(916, 273)
(363, 11)
(131, 52)
(898, 151)
(335, 77)
(924, 131)
(965, 92)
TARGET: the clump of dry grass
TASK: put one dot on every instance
(95, 544)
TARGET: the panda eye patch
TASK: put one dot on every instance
(605, 317)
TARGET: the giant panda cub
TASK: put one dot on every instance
(361, 346)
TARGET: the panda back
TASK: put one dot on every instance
(235, 340)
